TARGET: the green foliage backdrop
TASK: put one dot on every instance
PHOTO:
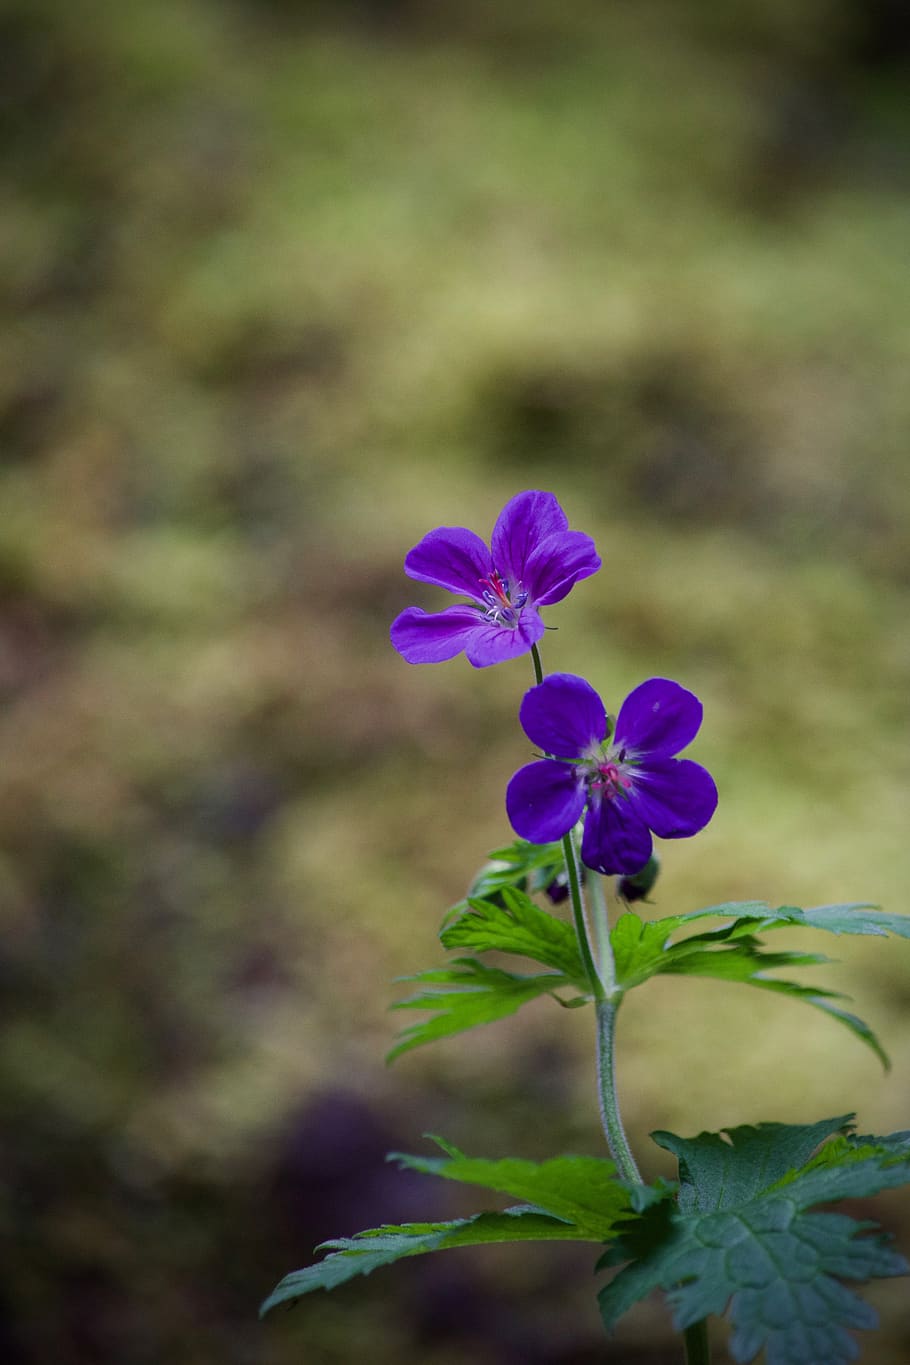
(284, 285)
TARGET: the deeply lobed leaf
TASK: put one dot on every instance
(477, 994)
(571, 1198)
(743, 1236)
(582, 1190)
(522, 865)
(515, 924)
(377, 1247)
(733, 953)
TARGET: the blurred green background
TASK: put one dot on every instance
(285, 285)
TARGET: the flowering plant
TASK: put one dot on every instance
(739, 1232)
(534, 560)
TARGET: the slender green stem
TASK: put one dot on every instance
(578, 914)
(607, 1000)
(606, 965)
(538, 666)
(698, 1348)
(609, 1099)
(578, 905)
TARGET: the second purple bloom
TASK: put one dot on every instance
(533, 561)
(628, 787)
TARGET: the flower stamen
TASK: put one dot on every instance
(501, 609)
(608, 780)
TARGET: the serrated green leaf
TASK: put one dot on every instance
(733, 953)
(479, 995)
(748, 962)
(528, 867)
(895, 1144)
(854, 918)
(583, 1190)
(570, 1199)
(638, 948)
(516, 925)
(845, 919)
(719, 1170)
(377, 1247)
(736, 1240)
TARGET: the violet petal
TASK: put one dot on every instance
(563, 715)
(544, 800)
(491, 643)
(432, 637)
(659, 717)
(451, 557)
(557, 564)
(675, 796)
(523, 523)
(615, 840)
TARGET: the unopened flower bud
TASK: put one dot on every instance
(638, 885)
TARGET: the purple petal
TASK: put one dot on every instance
(432, 637)
(675, 796)
(615, 839)
(659, 717)
(493, 644)
(522, 524)
(563, 715)
(452, 558)
(544, 800)
(557, 564)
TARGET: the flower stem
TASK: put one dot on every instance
(606, 998)
(609, 1099)
(578, 905)
(578, 914)
(606, 965)
(698, 1348)
(538, 666)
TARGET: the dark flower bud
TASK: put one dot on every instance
(558, 889)
(638, 885)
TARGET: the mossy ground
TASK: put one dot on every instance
(284, 287)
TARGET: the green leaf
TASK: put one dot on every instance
(527, 867)
(733, 953)
(895, 1144)
(360, 1255)
(719, 1170)
(854, 918)
(743, 1237)
(748, 962)
(477, 994)
(639, 948)
(582, 1190)
(570, 1198)
(844, 919)
(517, 925)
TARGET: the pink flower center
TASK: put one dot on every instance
(606, 776)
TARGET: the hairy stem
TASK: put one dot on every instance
(606, 998)
(609, 1100)
(578, 905)
(698, 1348)
(606, 965)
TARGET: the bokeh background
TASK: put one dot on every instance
(284, 285)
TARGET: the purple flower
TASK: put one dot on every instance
(629, 787)
(533, 561)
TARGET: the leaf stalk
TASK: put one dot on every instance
(698, 1347)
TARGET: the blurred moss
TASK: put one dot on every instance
(286, 283)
